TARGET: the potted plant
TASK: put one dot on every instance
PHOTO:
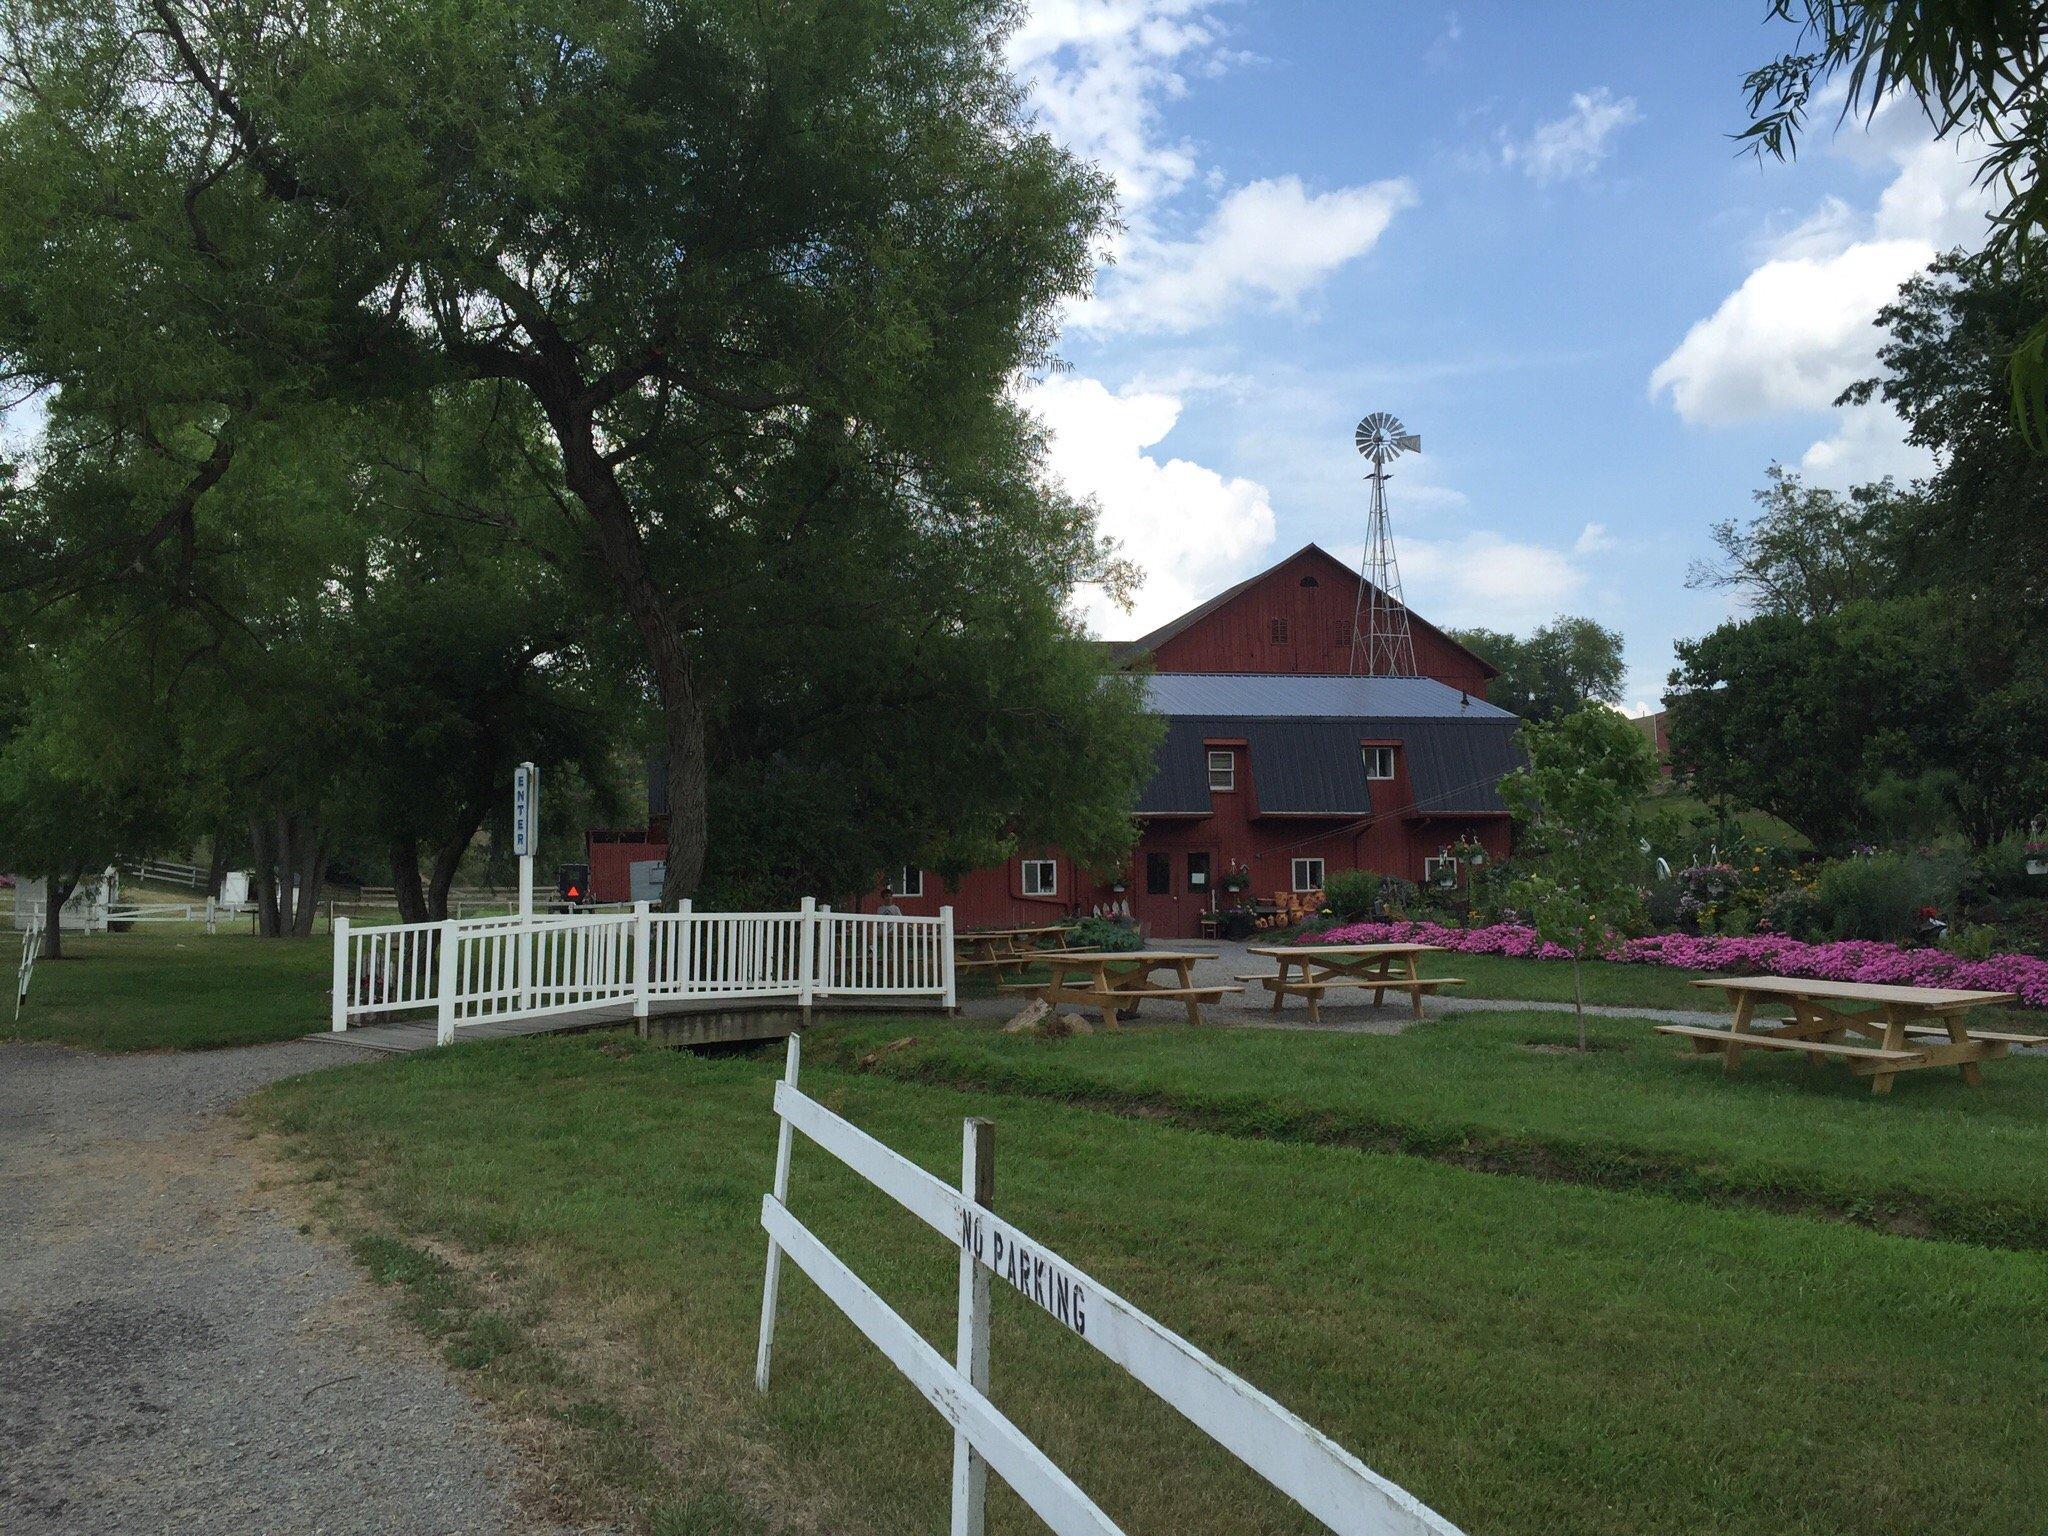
(2037, 858)
(1237, 878)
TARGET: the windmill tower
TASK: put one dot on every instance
(1380, 643)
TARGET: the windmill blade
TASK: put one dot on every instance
(1409, 443)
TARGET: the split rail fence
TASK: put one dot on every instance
(1307, 1466)
(496, 969)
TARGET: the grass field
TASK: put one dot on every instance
(1639, 1111)
(1529, 1357)
(174, 988)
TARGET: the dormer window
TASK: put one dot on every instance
(1379, 762)
(1222, 771)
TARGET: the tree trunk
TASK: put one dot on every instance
(1579, 1002)
(217, 862)
(312, 865)
(263, 853)
(405, 880)
(56, 891)
(592, 480)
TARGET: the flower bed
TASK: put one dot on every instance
(1842, 960)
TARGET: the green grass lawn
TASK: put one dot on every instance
(1550, 981)
(1640, 1111)
(174, 988)
(1531, 1358)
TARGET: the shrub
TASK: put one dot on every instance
(1882, 896)
(1099, 933)
(1795, 912)
(1350, 894)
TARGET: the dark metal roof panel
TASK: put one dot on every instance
(1249, 695)
(1313, 767)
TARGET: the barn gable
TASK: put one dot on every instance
(1295, 616)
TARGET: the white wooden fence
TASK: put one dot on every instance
(1306, 1465)
(471, 970)
(31, 946)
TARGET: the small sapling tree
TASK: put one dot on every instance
(1578, 800)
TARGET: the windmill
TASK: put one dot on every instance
(1380, 643)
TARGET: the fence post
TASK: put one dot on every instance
(444, 993)
(791, 1062)
(643, 960)
(947, 959)
(977, 1183)
(807, 956)
(212, 915)
(339, 1009)
(827, 957)
(686, 975)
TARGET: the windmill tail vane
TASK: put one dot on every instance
(1381, 644)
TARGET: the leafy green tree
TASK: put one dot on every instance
(1808, 551)
(1561, 665)
(1579, 802)
(1974, 69)
(717, 247)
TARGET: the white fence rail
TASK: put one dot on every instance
(471, 970)
(31, 946)
(1307, 1466)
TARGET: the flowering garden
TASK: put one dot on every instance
(1835, 960)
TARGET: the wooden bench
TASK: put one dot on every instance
(2005, 1037)
(1707, 1038)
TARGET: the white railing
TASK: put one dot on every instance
(31, 946)
(166, 872)
(1304, 1464)
(473, 970)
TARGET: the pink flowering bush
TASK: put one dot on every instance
(1762, 953)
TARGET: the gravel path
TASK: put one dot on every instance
(175, 1355)
(1346, 1011)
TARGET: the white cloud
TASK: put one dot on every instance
(1575, 144)
(1869, 442)
(1190, 529)
(1486, 578)
(1593, 538)
(1097, 71)
(1802, 325)
(1269, 242)
(1795, 334)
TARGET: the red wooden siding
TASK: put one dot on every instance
(1241, 636)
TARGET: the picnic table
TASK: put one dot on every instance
(1381, 968)
(1005, 949)
(1894, 1029)
(1116, 980)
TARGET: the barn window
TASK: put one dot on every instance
(1308, 875)
(1222, 770)
(1158, 873)
(1308, 581)
(1279, 630)
(1198, 872)
(1041, 877)
(1379, 762)
(909, 881)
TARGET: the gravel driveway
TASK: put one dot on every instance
(175, 1355)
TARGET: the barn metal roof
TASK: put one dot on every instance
(1303, 696)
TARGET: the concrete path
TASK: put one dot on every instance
(1344, 1011)
(175, 1356)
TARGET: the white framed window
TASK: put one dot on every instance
(1308, 875)
(1222, 770)
(1041, 877)
(908, 882)
(1379, 762)
(1440, 870)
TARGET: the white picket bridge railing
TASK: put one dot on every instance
(472, 970)
(1304, 1464)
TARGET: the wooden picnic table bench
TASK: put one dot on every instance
(1005, 949)
(1114, 981)
(1378, 968)
(1896, 1029)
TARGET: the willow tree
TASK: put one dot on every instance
(700, 237)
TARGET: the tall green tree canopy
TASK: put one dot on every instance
(1561, 665)
(717, 248)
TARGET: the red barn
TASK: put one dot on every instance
(1274, 762)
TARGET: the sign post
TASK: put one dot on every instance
(525, 834)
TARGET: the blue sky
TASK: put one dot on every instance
(1523, 228)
